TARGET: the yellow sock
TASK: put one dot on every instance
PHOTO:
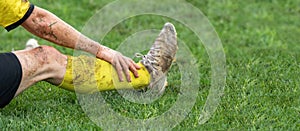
(93, 75)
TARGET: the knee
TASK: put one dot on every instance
(48, 55)
(49, 51)
(53, 62)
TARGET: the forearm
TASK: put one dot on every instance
(46, 25)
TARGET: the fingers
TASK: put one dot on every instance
(135, 65)
(125, 67)
(133, 68)
(122, 65)
(119, 70)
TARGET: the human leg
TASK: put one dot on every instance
(43, 63)
(21, 69)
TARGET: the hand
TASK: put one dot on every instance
(121, 63)
(124, 64)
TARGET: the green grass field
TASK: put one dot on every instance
(261, 43)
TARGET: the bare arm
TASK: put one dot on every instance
(46, 25)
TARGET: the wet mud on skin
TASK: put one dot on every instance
(41, 63)
(34, 60)
(57, 31)
(48, 26)
(44, 28)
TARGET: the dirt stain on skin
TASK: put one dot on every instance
(39, 55)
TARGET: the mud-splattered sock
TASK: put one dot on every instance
(88, 75)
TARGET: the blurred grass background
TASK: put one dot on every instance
(261, 42)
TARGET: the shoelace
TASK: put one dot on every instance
(151, 58)
(146, 60)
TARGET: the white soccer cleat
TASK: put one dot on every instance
(31, 43)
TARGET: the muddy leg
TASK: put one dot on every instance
(41, 63)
